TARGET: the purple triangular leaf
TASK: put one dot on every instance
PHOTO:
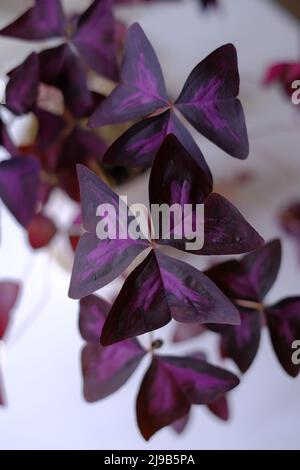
(105, 370)
(208, 101)
(95, 38)
(142, 88)
(44, 20)
(19, 179)
(22, 89)
(252, 277)
(220, 408)
(226, 231)
(201, 382)
(138, 145)
(160, 400)
(51, 126)
(174, 289)
(176, 178)
(241, 342)
(79, 147)
(283, 320)
(98, 262)
(93, 311)
(132, 313)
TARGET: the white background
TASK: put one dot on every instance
(41, 366)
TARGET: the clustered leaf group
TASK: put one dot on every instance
(228, 298)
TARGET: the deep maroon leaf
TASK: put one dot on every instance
(160, 400)
(141, 305)
(9, 292)
(22, 89)
(105, 370)
(50, 128)
(61, 68)
(95, 38)
(208, 101)
(172, 384)
(93, 310)
(142, 88)
(176, 178)
(226, 231)
(283, 320)
(241, 342)
(98, 262)
(138, 146)
(44, 20)
(252, 277)
(41, 230)
(201, 382)
(220, 408)
(80, 146)
(174, 289)
(19, 179)
(192, 296)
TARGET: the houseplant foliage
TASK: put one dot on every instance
(54, 87)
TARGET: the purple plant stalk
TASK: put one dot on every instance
(9, 293)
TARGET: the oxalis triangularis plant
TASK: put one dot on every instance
(54, 86)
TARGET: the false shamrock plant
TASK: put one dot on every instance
(170, 386)
(208, 101)
(174, 288)
(54, 86)
(88, 38)
(158, 289)
(247, 282)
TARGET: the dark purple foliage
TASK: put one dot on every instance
(104, 370)
(9, 292)
(246, 283)
(19, 179)
(170, 386)
(208, 101)
(93, 35)
(176, 178)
